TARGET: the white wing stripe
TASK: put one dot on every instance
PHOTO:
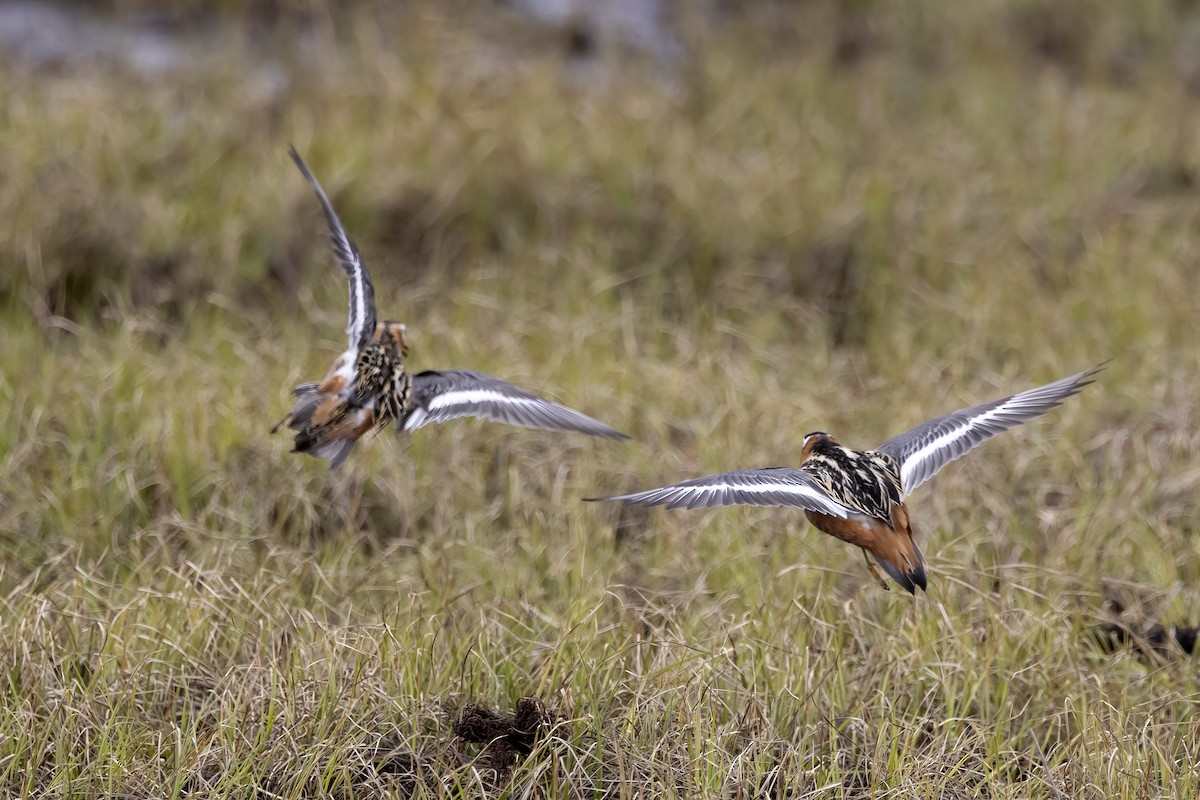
(416, 419)
(441, 396)
(355, 328)
(462, 397)
(915, 461)
(675, 494)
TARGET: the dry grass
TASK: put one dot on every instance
(844, 220)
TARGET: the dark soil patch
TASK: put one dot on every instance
(1146, 637)
(506, 738)
(1156, 638)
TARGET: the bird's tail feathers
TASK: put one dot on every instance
(906, 565)
(336, 451)
(308, 398)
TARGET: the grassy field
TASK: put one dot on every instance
(823, 217)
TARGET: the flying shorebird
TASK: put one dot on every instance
(368, 386)
(859, 495)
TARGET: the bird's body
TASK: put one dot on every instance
(867, 483)
(368, 386)
(365, 390)
(859, 496)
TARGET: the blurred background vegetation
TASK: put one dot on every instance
(715, 225)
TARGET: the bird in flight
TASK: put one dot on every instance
(859, 496)
(369, 387)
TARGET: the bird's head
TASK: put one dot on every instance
(395, 333)
(817, 440)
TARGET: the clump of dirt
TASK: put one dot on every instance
(1132, 628)
(506, 737)
(1158, 638)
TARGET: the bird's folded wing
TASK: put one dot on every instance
(924, 450)
(773, 486)
(442, 395)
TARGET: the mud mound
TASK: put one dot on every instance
(1136, 628)
(1155, 637)
(506, 737)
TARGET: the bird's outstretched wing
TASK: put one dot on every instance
(924, 450)
(441, 395)
(773, 486)
(361, 326)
